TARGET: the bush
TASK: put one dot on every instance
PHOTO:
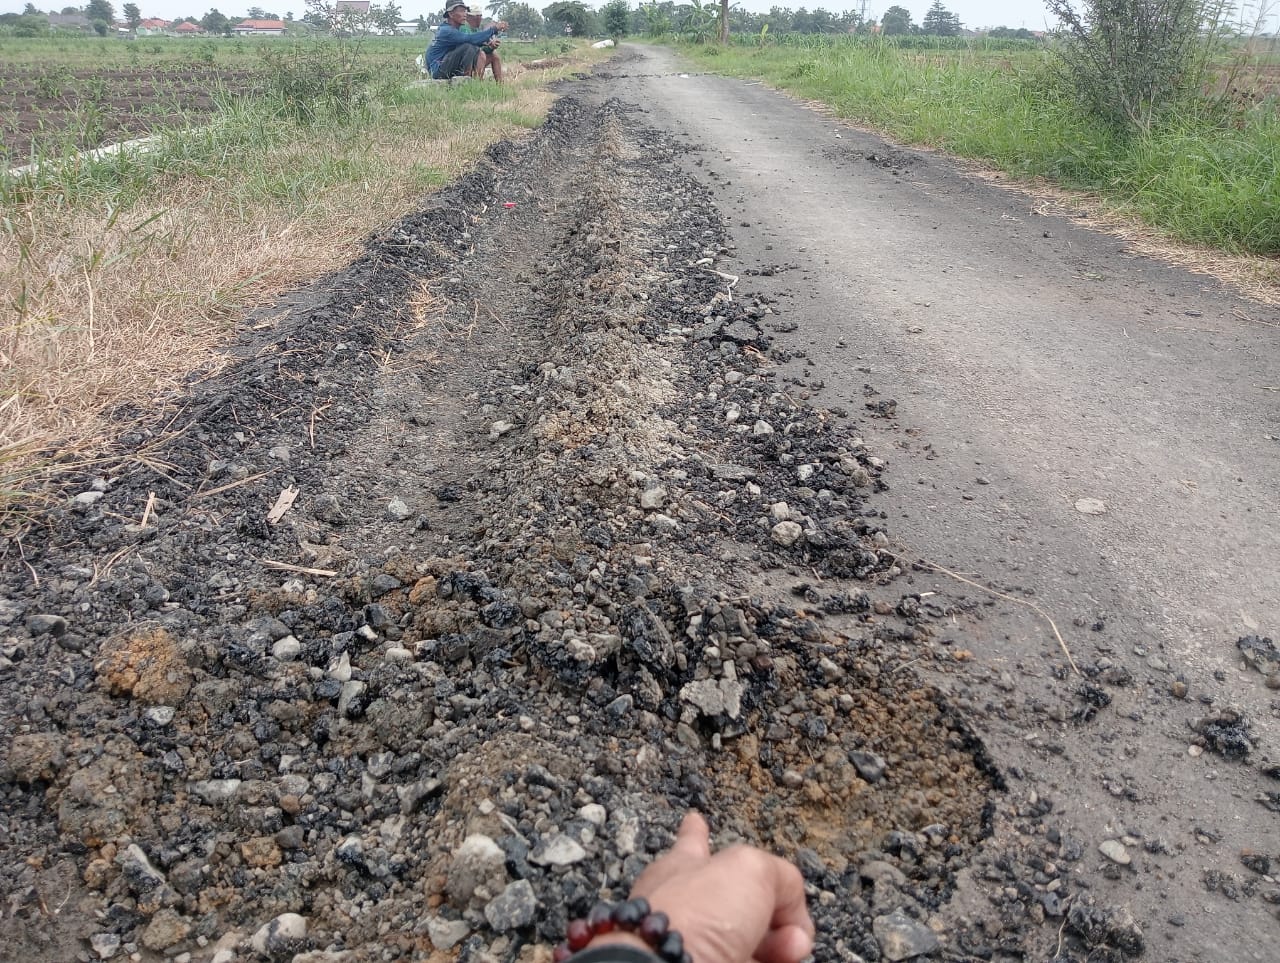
(317, 81)
(1130, 60)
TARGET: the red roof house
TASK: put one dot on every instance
(260, 28)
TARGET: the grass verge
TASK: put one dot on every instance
(121, 275)
(1208, 176)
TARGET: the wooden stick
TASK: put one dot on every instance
(146, 512)
(283, 503)
(311, 433)
(1008, 598)
(300, 569)
(230, 485)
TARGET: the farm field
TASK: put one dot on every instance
(47, 110)
(122, 272)
(60, 95)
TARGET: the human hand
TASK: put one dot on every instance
(739, 905)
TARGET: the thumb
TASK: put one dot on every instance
(693, 838)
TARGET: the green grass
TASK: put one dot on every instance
(255, 146)
(1205, 175)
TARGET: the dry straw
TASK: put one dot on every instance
(109, 310)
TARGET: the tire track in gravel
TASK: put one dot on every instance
(595, 563)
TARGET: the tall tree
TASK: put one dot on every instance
(616, 15)
(896, 21)
(523, 21)
(215, 22)
(569, 13)
(100, 10)
(132, 16)
(940, 22)
(30, 10)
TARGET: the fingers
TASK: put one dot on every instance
(693, 838)
(788, 944)
(790, 908)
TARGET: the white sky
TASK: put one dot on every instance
(973, 13)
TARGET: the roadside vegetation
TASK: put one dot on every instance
(122, 273)
(1197, 158)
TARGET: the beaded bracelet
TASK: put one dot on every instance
(632, 916)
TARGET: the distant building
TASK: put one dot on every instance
(260, 28)
(151, 27)
(189, 30)
(69, 21)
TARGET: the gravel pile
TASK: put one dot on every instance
(563, 563)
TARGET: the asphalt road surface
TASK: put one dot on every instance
(1035, 363)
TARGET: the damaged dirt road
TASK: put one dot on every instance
(626, 491)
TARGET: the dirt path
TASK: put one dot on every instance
(579, 542)
(1034, 364)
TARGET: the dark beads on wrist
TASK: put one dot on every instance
(631, 916)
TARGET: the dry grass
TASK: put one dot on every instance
(105, 309)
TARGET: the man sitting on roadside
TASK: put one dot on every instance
(490, 50)
(454, 53)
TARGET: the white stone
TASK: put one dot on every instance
(284, 933)
(559, 850)
(651, 499)
(1114, 850)
(446, 934)
(106, 945)
(160, 715)
(715, 697)
(786, 533)
(214, 791)
(593, 813)
(286, 649)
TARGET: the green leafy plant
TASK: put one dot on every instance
(701, 22)
(1129, 60)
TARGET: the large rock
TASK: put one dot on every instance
(146, 664)
(283, 936)
(446, 934)
(103, 801)
(902, 938)
(36, 755)
(165, 929)
(479, 863)
(557, 850)
(715, 697)
(514, 908)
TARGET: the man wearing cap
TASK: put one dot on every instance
(490, 49)
(454, 53)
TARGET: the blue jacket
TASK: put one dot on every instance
(447, 37)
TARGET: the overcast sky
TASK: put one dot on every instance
(973, 13)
